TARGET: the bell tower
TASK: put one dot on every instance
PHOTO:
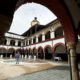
(34, 22)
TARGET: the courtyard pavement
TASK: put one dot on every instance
(56, 73)
(44, 70)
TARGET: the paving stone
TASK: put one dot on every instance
(57, 73)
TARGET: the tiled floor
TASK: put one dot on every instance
(56, 73)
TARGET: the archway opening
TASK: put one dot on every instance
(40, 53)
(61, 12)
(11, 52)
(26, 13)
(60, 51)
(26, 52)
(3, 52)
(34, 52)
(30, 53)
(48, 53)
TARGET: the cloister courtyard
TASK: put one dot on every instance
(34, 70)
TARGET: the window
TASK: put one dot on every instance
(59, 32)
(19, 43)
(26, 43)
(47, 35)
(34, 40)
(40, 38)
(4, 42)
(29, 42)
(12, 42)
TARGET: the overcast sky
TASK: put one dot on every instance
(26, 13)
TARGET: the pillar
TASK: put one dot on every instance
(68, 59)
(43, 37)
(21, 43)
(28, 42)
(25, 42)
(32, 41)
(8, 41)
(37, 54)
(73, 61)
(52, 34)
(44, 55)
(36, 38)
(16, 42)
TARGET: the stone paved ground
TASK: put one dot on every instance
(56, 73)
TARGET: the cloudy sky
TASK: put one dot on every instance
(26, 13)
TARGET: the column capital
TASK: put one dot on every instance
(32, 37)
(71, 44)
(37, 36)
(51, 29)
(43, 33)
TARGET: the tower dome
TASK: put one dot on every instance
(34, 22)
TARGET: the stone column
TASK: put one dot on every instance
(8, 41)
(28, 41)
(52, 34)
(21, 43)
(68, 59)
(16, 43)
(43, 36)
(37, 55)
(36, 38)
(73, 61)
(25, 42)
(32, 41)
(44, 55)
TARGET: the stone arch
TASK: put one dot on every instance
(48, 52)
(61, 51)
(26, 51)
(40, 47)
(3, 48)
(3, 42)
(30, 51)
(57, 45)
(22, 52)
(12, 42)
(11, 51)
(47, 46)
(47, 35)
(3, 51)
(61, 12)
(34, 51)
(40, 52)
(19, 49)
(59, 32)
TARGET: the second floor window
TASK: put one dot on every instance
(29, 42)
(59, 32)
(26, 43)
(19, 43)
(47, 35)
(34, 40)
(3, 42)
(23, 43)
(40, 38)
(12, 42)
